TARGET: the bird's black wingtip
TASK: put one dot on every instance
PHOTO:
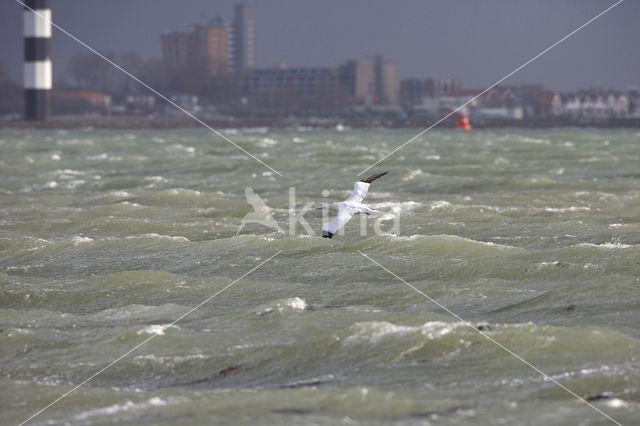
(327, 234)
(374, 177)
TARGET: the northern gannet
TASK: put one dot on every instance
(351, 206)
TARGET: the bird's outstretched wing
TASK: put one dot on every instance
(374, 177)
(331, 227)
(359, 192)
(254, 199)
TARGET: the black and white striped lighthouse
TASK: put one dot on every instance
(37, 59)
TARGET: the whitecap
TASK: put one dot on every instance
(566, 209)
(615, 245)
(441, 205)
(159, 237)
(126, 406)
(293, 303)
(396, 207)
(68, 173)
(500, 161)
(375, 331)
(267, 142)
(412, 174)
(296, 303)
(617, 403)
(534, 140)
(155, 329)
(18, 331)
(77, 240)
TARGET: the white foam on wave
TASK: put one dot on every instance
(267, 142)
(376, 331)
(534, 140)
(182, 191)
(566, 209)
(551, 264)
(120, 194)
(170, 359)
(12, 332)
(501, 161)
(591, 159)
(125, 406)
(616, 245)
(78, 241)
(68, 173)
(412, 174)
(396, 207)
(98, 157)
(155, 329)
(153, 236)
(296, 303)
(617, 403)
(156, 179)
(453, 238)
(441, 205)
(293, 303)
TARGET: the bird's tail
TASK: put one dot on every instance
(374, 177)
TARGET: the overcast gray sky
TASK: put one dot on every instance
(478, 41)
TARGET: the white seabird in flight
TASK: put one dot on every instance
(351, 206)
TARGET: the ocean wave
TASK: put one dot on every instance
(396, 207)
(412, 174)
(156, 237)
(375, 331)
(111, 410)
(611, 245)
(267, 143)
(539, 141)
(294, 304)
(156, 329)
(23, 243)
(566, 209)
(441, 205)
(441, 245)
(78, 241)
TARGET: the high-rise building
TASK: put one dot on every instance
(376, 80)
(178, 50)
(243, 43)
(212, 42)
(203, 48)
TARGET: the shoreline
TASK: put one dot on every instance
(141, 122)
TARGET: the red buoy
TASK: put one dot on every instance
(463, 122)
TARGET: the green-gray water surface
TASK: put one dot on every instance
(107, 237)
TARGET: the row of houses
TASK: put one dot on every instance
(528, 101)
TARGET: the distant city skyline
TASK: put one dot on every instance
(476, 43)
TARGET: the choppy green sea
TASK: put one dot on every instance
(108, 237)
